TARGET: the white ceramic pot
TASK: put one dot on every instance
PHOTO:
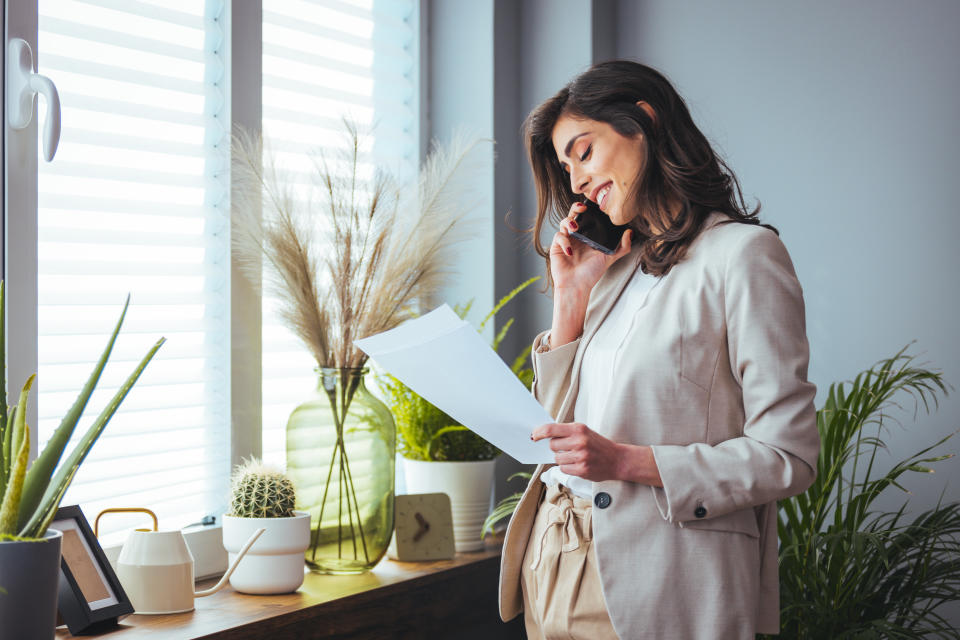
(275, 563)
(470, 487)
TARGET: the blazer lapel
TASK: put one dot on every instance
(604, 295)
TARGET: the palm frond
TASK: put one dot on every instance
(505, 507)
(847, 571)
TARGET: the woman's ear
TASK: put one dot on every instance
(650, 112)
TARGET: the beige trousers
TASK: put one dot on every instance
(562, 596)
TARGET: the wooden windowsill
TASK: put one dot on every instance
(451, 598)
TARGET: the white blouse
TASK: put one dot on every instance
(600, 362)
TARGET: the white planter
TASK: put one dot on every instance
(470, 487)
(275, 563)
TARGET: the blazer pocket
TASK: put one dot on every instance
(743, 521)
(698, 350)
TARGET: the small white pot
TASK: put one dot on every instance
(275, 563)
(470, 487)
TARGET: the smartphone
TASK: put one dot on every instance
(596, 231)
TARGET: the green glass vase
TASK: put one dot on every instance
(340, 456)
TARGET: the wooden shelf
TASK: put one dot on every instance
(446, 599)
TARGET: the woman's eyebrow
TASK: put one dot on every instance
(566, 149)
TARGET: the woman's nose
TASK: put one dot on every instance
(578, 182)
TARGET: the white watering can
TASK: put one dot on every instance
(156, 568)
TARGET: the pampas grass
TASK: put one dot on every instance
(349, 256)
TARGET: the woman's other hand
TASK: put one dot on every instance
(576, 268)
(582, 452)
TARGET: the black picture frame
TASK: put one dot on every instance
(91, 598)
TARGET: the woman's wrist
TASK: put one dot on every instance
(636, 463)
(569, 311)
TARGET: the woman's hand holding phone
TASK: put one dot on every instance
(576, 268)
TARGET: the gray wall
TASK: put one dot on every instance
(489, 63)
(842, 119)
(540, 45)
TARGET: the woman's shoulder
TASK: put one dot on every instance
(740, 252)
(724, 238)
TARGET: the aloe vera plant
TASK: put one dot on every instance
(29, 498)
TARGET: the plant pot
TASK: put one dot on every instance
(274, 564)
(470, 487)
(29, 577)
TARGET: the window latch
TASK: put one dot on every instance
(22, 84)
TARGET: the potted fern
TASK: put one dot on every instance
(261, 496)
(31, 494)
(440, 455)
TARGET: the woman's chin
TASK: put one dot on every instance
(617, 219)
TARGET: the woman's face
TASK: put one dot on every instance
(602, 164)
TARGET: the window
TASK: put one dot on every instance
(137, 200)
(322, 62)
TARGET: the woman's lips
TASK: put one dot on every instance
(603, 194)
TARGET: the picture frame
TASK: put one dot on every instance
(91, 598)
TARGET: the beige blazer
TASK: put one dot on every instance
(716, 381)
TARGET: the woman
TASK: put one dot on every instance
(676, 370)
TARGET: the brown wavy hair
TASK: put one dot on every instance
(680, 166)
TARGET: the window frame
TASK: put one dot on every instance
(19, 249)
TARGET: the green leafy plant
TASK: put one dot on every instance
(505, 507)
(847, 571)
(424, 432)
(260, 491)
(30, 497)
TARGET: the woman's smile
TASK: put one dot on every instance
(600, 195)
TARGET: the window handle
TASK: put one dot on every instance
(22, 84)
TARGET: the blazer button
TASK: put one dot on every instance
(602, 500)
(700, 511)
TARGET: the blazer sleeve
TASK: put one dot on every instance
(776, 456)
(551, 372)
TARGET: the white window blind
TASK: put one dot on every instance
(136, 202)
(323, 61)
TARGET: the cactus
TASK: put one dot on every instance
(260, 491)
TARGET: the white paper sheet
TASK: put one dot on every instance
(446, 361)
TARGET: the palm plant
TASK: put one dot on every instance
(505, 507)
(847, 571)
